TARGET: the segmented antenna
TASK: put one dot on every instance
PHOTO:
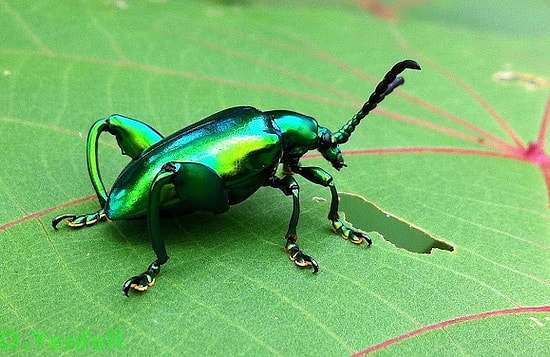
(385, 87)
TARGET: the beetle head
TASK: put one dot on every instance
(329, 148)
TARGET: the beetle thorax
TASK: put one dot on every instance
(298, 132)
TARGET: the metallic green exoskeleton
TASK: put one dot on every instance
(218, 162)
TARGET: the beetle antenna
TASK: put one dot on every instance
(385, 87)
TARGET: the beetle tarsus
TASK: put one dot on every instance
(353, 235)
(79, 220)
(62, 217)
(298, 257)
(143, 281)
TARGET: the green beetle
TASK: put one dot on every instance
(218, 162)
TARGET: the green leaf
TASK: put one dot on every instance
(448, 153)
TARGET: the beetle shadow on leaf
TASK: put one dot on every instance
(242, 231)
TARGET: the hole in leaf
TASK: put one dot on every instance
(366, 215)
(527, 80)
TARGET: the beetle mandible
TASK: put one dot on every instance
(218, 162)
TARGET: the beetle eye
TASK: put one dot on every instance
(325, 140)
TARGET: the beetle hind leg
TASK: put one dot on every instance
(79, 220)
(133, 137)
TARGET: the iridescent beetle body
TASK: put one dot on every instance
(218, 162)
(240, 145)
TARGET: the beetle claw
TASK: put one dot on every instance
(139, 283)
(298, 257)
(143, 281)
(303, 260)
(351, 234)
(58, 219)
(77, 221)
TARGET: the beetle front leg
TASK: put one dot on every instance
(290, 187)
(146, 279)
(321, 177)
(339, 226)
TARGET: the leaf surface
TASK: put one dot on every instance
(448, 152)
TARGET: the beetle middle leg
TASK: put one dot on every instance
(198, 188)
(321, 177)
(146, 279)
(290, 187)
